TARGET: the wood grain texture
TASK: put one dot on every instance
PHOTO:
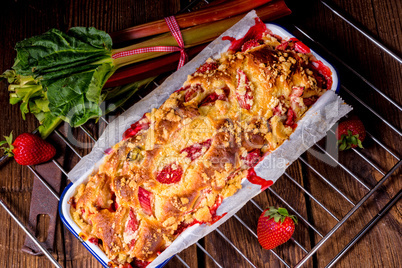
(380, 247)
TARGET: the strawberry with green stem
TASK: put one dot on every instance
(28, 149)
(275, 227)
(350, 134)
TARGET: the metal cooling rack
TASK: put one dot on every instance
(324, 236)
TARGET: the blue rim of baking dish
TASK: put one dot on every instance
(335, 87)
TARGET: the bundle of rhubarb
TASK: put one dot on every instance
(66, 76)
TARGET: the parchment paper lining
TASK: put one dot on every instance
(311, 128)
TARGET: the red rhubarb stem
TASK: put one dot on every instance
(209, 14)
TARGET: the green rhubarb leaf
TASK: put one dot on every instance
(54, 50)
(42, 104)
(72, 69)
(9, 75)
(67, 99)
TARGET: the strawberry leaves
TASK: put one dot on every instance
(279, 214)
(347, 141)
(350, 134)
(9, 141)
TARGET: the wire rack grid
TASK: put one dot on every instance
(324, 236)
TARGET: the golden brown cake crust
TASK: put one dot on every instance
(194, 150)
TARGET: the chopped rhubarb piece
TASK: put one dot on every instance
(108, 151)
(282, 46)
(255, 32)
(182, 226)
(200, 198)
(299, 46)
(182, 89)
(132, 223)
(196, 150)
(170, 174)
(139, 263)
(72, 202)
(252, 158)
(145, 197)
(295, 96)
(211, 98)
(141, 124)
(250, 44)
(192, 92)
(291, 117)
(94, 241)
(278, 110)
(213, 210)
(324, 71)
(296, 91)
(243, 93)
(207, 67)
(310, 101)
(295, 44)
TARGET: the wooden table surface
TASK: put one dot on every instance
(380, 247)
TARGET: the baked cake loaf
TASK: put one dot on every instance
(175, 166)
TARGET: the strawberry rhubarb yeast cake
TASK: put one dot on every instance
(174, 167)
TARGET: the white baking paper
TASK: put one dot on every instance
(311, 128)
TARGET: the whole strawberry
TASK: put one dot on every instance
(28, 149)
(275, 227)
(350, 134)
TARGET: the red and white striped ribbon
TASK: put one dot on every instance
(174, 28)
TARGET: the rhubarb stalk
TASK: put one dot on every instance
(209, 14)
(197, 35)
(271, 11)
